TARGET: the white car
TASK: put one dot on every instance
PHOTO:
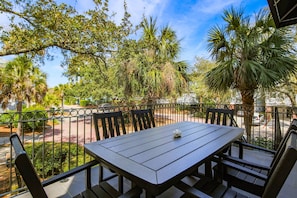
(257, 119)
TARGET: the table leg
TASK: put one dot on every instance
(120, 182)
(208, 171)
(148, 194)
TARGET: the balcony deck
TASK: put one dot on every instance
(74, 126)
(73, 185)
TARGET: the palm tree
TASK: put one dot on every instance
(249, 56)
(152, 70)
(60, 92)
(21, 81)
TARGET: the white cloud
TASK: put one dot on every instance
(214, 6)
(137, 8)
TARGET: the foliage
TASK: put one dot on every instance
(36, 26)
(249, 56)
(50, 99)
(60, 95)
(83, 103)
(8, 118)
(70, 101)
(96, 50)
(33, 118)
(91, 79)
(148, 68)
(263, 142)
(40, 27)
(287, 88)
(198, 86)
(21, 81)
(54, 158)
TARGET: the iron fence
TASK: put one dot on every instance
(54, 138)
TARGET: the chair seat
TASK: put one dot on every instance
(241, 180)
(207, 188)
(239, 174)
(273, 181)
(105, 190)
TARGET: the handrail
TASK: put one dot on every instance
(64, 131)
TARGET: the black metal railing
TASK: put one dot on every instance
(54, 139)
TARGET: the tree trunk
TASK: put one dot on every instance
(248, 109)
(19, 111)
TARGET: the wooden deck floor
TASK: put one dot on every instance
(75, 184)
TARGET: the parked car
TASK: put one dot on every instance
(257, 119)
(105, 107)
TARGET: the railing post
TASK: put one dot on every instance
(277, 135)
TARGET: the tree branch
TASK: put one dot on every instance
(17, 14)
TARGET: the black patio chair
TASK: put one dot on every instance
(142, 119)
(108, 125)
(235, 177)
(36, 187)
(220, 116)
(268, 185)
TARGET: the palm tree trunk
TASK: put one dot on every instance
(248, 109)
(19, 111)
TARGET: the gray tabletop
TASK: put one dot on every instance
(154, 160)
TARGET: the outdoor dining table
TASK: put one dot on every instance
(155, 160)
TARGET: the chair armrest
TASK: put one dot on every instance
(194, 192)
(241, 145)
(235, 166)
(244, 162)
(71, 172)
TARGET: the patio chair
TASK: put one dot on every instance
(142, 119)
(36, 187)
(110, 125)
(268, 186)
(244, 145)
(234, 177)
(220, 116)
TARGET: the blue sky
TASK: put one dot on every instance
(191, 19)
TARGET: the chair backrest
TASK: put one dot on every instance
(26, 168)
(220, 116)
(280, 171)
(282, 145)
(142, 119)
(112, 124)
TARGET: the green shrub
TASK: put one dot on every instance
(34, 117)
(70, 101)
(8, 118)
(83, 103)
(263, 142)
(55, 158)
